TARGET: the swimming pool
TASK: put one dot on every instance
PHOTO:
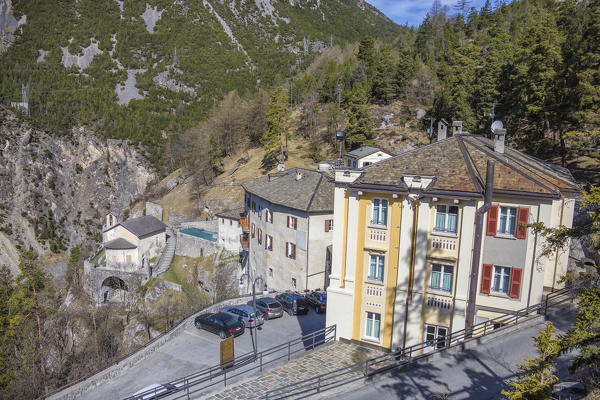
(201, 233)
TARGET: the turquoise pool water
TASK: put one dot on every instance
(201, 233)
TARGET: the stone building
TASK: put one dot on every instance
(424, 247)
(290, 228)
(230, 229)
(130, 245)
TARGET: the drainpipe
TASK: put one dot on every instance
(533, 260)
(562, 210)
(307, 236)
(489, 188)
(415, 201)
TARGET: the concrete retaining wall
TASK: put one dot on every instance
(211, 225)
(103, 377)
(194, 247)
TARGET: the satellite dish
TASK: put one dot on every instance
(280, 168)
(497, 125)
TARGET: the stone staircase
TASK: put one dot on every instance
(167, 256)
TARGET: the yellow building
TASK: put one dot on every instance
(419, 243)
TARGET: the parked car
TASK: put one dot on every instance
(155, 391)
(245, 314)
(293, 303)
(270, 307)
(220, 323)
(317, 300)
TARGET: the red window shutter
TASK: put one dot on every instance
(486, 278)
(515, 283)
(294, 251)
(326, 225)
(295, 224)
(288, 221)
(522, 221)
(492, 224)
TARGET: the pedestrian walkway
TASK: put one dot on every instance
(326, 358)
(167, 256)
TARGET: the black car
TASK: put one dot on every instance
(293, 303)
(220, 323)
(317, 300)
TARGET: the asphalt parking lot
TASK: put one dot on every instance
(194, 349)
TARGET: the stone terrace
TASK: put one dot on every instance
(324, 359)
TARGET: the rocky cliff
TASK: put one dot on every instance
(55, 191)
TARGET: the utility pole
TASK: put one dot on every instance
(331, 40)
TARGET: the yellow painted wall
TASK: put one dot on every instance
(344, 240)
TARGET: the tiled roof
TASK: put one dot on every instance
(459, 163)
(313, 192)
(235, 213)
(143, 226)
(119, 244)
(364, 151)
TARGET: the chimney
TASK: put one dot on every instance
(499, 136)
(456, 128)
(442, 129)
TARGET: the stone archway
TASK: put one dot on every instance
(114, 288)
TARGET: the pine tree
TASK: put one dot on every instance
(384, 86)
(276, 127)
(6, 341)
(360, 125)
(74, 271)
(536, 375)
(25, 302)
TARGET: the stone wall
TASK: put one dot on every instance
(104, 377)
(194, 247)
(210, 225)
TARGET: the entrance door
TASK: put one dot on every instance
(435, 336)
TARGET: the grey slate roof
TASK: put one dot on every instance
(312, 193)
(364, 151)
(143, 226)
(235, 213)
(459, 166)
(119, 244)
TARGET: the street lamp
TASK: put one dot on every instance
(265, 293)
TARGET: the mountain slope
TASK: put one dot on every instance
(147, 69)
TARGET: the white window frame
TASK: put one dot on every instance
(435, 340)
(447, 213)
(379, 267)
(290, 222)
(509, 212)
(375, 319)
(444, 271)
(288, 250)
(268, 216)
(377, 219)
(269, 242)
(503, 272)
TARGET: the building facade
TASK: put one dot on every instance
(230, 229)
(406, 251)
(290, 229)
(365, 156)
(131, 245)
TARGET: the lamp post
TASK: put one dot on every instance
(265, 292)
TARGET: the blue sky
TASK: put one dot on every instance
(413, 11)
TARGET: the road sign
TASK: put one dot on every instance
(227, 352)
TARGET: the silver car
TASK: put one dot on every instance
(245, 314)
(270, 307)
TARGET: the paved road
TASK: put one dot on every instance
(194, 349)
(479, 373)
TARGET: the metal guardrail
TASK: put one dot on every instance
(409, 355)
(199, 381)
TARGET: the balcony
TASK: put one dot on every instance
(439, 302)
(244, 223)
(443, 246)
(377, 235)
